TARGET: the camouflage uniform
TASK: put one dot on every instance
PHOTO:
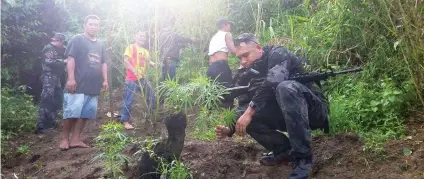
(281, 105)
(53, 67)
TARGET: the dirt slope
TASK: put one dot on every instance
(337, 156)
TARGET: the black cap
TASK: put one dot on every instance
(245, 37)
(223, 21)
(58, 37)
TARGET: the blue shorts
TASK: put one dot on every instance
(79, 106)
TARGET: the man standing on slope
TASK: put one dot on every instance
(276, 104)
(219, 47)
(136, 59)
(87, 73)
(53, 67)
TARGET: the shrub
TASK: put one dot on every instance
(111, 141)
(207, 120)
(18, 112)
(371, 109)
(175, 170)
(200, 91)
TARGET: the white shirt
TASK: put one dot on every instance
(217, 43)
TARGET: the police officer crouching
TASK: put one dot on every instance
(275, 104)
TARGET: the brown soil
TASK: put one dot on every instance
(338, 156)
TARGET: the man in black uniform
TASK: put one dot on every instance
(274, 104)
(170, 44)
(53, 68)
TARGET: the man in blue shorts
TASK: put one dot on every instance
(87, 73)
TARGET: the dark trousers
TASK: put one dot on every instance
(296, 110)
(50, 101)
(169, 69)
(221, 72)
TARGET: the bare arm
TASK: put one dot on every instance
(70, 68)
(128, 65)
(230, 43)
(104, 72)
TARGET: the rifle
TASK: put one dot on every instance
(319, 76)
(300, 77)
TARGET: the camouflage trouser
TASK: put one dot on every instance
(50, 101)
(296, 110)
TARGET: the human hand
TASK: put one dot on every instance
(221, 132)
(71, 85)
(242, 124)
(105, 86)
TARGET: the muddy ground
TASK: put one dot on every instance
(339, 156)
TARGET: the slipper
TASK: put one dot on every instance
(129, 128)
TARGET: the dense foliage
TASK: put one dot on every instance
(383, 36)
(18, 113)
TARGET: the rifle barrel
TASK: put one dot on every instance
(348, 71)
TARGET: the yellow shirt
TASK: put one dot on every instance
(140, 64)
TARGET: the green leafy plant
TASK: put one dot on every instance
(372, 110)
(205, 124)
(207, 120)
(4, 138)
(147, 146)
(200, 91)
(111, 141)
(175, 170)
(23, 149)
(19, 113)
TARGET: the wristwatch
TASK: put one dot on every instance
(252, 105)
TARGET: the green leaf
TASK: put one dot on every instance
(386, 93)
(374, 109)
(301, 18)
(406, 151)
(374, 103)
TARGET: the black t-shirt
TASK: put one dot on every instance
(170, 44)
(89, 57)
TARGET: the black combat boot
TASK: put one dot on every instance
(301, 167)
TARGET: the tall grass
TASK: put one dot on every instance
(379, 35)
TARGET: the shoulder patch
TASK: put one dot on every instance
(49, 54)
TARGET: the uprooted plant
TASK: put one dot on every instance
(207, 120)
(162, 158)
